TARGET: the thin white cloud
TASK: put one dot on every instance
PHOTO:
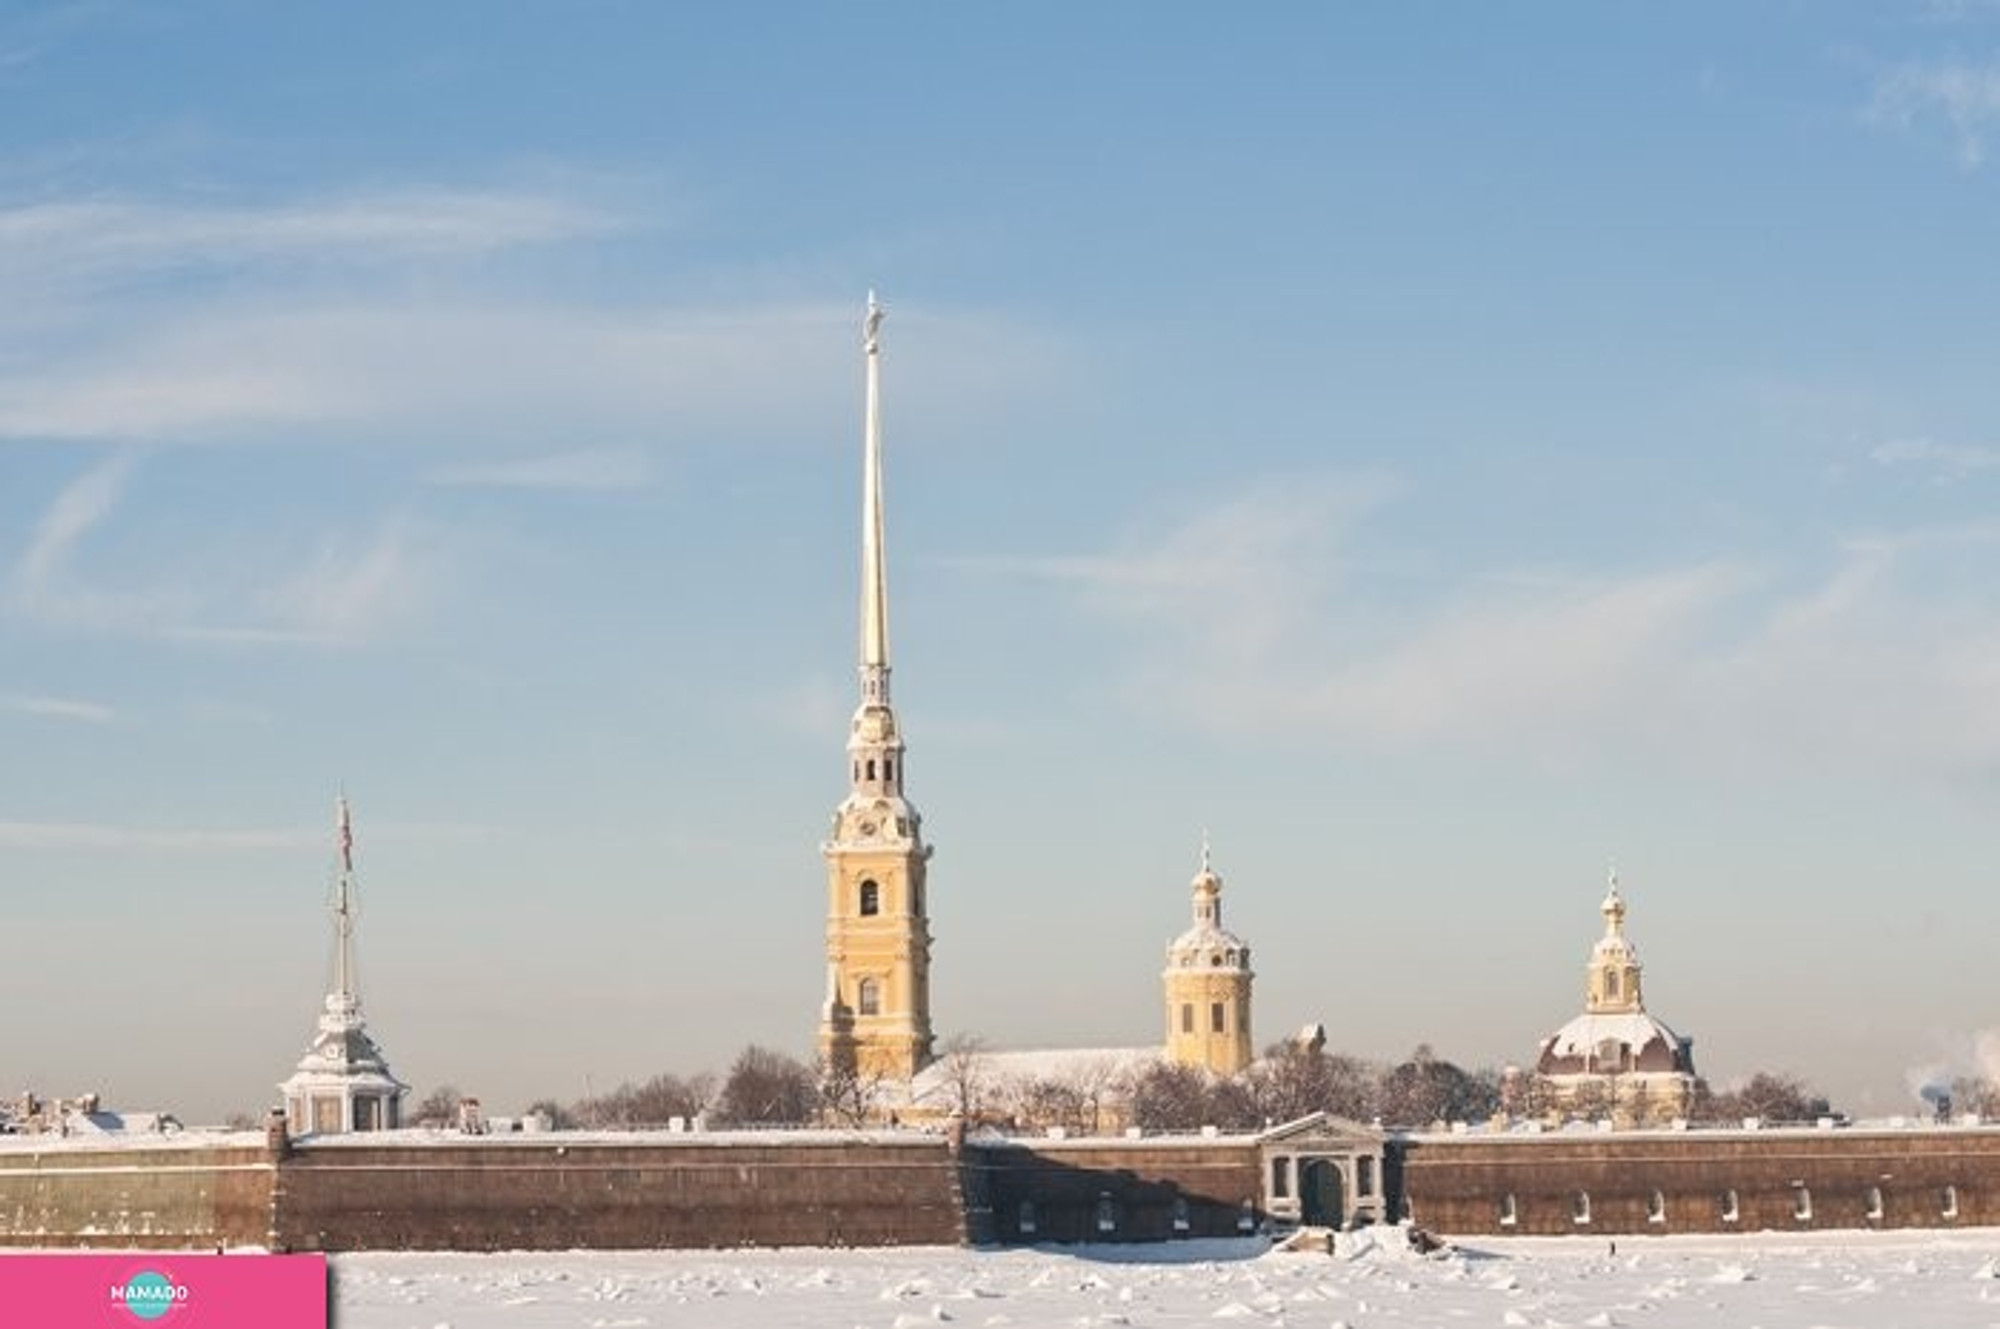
(114, 838)
(59, 708)
(1953, 460)
(1886, 657)
(1534, 665)
(351, 593)
(99, 238)
(1966, 96)
(501, 376)
(352, 590)
(99, 837)
(606, 470)
(1235, 571)
(78, 509)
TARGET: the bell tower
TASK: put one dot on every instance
(1207, 982)
(876, 1019)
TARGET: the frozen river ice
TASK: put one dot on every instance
(1759, 1281)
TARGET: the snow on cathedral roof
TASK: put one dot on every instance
(1625, 1040)
(1000, 1071)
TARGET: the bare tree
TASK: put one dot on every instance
(440, 1107)
(1529, 1095)
(1767, 1096)
(1292, 1081)
(1425, 1089)
(653, 1103)
(848, 1095)
(1975, 1093)
(1167, 1096)
(967, 1081)
(1050, 1101)
(559, 1117)
(1351, 1090)
(767, 1088)
(1097, 1083)
(665, 1097)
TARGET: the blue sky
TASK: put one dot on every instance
(1439, 450)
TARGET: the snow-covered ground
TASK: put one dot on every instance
(1863, 1281)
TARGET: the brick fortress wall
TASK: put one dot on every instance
(1790, 1180)
(565, 1190)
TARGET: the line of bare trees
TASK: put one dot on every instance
(764, 1087)
(1293, 1081)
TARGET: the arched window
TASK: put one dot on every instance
(1802, 1204)
(1871, 1202)
(1181, 1213)
(868, 997)
(1731, 1210)
(871, 898)
(871, 768)
(1025, 1219)
(1656, 1207)
(1579, 1207)
(888, 768)
(1217, 1021)
(1187, 1017)
(1509, 1212)
(1948, 1205)
(1107, 1214)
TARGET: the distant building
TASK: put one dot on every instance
(1615, 1060)
(1207, 981)
(343, 1083)
(83, 1115)
(876, 1018)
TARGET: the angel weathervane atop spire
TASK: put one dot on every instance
(871, 326)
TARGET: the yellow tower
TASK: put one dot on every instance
(877, 1016)
(1611, 984)
(1207, 983)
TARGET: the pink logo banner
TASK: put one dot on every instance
(140, 1288)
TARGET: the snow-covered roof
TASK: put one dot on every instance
(121, 1123)
(1206, 937)
(1593, 1038)
(1000, 1069)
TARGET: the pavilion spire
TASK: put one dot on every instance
(345, 909)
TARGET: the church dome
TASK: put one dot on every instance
(1615, 1035)
(1608, 1044)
